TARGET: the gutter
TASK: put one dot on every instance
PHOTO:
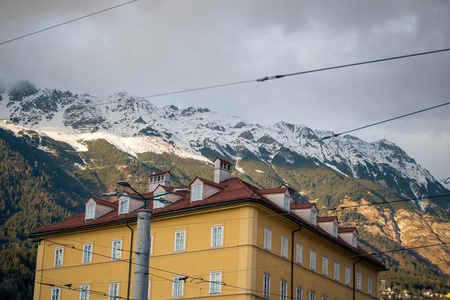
(129, 264)
(292, 261)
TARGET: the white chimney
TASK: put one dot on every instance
(222, 170)
(160, 178)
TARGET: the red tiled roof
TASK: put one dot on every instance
(159, 173)
(223, 160)
(302, 205)
(326, 219)
(274, 191)
(346, 229)
(232, 189)
(209, 182)
(103, 202)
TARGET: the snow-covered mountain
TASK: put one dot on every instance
(135, 125)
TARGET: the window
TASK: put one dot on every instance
(177, 286)
(312, 260)
(369, 285)
(347, 275)
(151, 244)
(56, 294)
(286, 202)
(335, 230)
(197, 192)
(84, 292)
(358, 281)
(266, 285)
(336, 271)
(267, 239)
(324, 297)
(59, 257)
(90, 211)
(299, 256)
(325, 265)
(87, 253)
(313, 217)
(355, 240)
(284, 246)
(180, 241)
(217, 236)
(157, 203)
(283, 290)
(116, 252)
(123, 206)
(113, 291)
(215, 282)
(298, 292)
(312, 295)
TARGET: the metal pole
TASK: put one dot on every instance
(140, 286)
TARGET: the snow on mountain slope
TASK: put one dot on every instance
(135, 125)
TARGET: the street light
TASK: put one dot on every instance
(142, 257)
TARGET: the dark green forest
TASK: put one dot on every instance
(39, 188)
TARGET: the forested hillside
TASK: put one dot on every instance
(44, 181)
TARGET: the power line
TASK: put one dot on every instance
(385, 121)
(287, 75)
(67, 22)
(388, 202)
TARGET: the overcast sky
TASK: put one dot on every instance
(152, 47)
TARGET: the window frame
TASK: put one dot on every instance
(299, 254)
(217, 237)
(85, 291)
(283, 289)
(336, 270)
(87, 253)
(124, 208)
(266, 285)
(177, 286)
(369, 285)
(358, 281)
(180, 244)
(267, 239)
(215, 282)
(325, 265)
(312, 295)
(113, 290)
(347, 275)
(116, 252)
(284, 246)
(59, 256)
(298, 293)
(90, 211)
(287, 202)
(197, 192)
(312, 262)
(56, 294)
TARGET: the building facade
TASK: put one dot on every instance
(224, 239)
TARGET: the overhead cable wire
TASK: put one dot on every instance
(67, 22)
(388, 202)
(385, 121)
(298, 73)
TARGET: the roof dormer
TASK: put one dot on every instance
(282, 196)
(202, 189)
(170, 198)
(222, 169)
(95, 208)
(349, 235)
(306, 211)
(329, 224)
(160, 178)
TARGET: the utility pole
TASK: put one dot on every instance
(141, 267)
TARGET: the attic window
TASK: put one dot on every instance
(313, 217)
(286, 202)
(197, 193)
(90, 211)
(123, 206)
(335, 230)
(355, 240)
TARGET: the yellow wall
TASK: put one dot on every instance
(242, 258)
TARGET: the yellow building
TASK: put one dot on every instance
(224, 239)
